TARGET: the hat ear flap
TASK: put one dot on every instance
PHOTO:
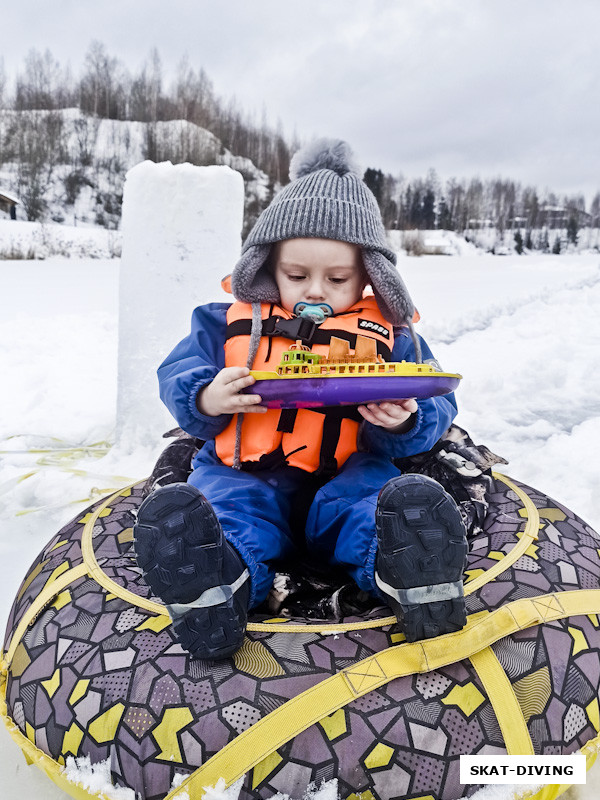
(251, 280)
(390, 292)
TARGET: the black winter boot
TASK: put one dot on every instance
(421, 557)
(188, 563)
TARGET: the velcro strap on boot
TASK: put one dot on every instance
(422, 594)
(211, 597)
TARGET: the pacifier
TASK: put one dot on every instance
(316, 312)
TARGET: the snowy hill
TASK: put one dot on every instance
(76, 164)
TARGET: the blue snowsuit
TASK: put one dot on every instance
(254, 507)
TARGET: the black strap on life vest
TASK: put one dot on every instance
(296, 328)
(300, 328)
(332, 426)
(272, 460)
(287, 420)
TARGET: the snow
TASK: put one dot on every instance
(502, 791)
(173, 250)
(525, 336)
(434, 242)
(95, 778)
(524, 332)
(327, 790)
(219, 792)
(28, 240)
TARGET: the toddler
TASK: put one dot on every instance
(208, 547)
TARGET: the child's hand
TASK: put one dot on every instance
(393, 415)
(222, 395)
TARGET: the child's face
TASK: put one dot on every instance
(319, 271)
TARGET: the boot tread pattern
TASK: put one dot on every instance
(422, 542)
(180, 547)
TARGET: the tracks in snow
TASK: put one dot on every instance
(449, 332)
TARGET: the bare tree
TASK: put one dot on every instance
(37, 140)
(101, 89)
(43, 84)
(595, 210)
(3, 83)
(146, 99)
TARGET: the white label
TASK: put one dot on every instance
(522, 769)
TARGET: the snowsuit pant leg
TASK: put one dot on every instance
(341, 520)
(253, 509)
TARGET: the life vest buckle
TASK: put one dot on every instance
(296, 328)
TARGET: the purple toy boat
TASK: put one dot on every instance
(313, 392)
(309, 380)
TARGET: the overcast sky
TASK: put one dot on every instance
(488, 87)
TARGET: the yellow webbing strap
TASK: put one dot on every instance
(50, 591)
(96, 571)
(44, 598)
(296, 715)
(90, 565)
(529, 535)
(111, 586)
(504, 702)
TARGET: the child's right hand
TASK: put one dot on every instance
(222, 395)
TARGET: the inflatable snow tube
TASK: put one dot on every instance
(91, 669)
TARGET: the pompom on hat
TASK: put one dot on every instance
(326, 198)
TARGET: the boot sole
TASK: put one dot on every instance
(212, 633)
(422, 542)
(179, 545)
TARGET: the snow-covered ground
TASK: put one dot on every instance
(523, 331)
(37, 240)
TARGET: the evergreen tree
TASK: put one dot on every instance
(444, 215)
(572, 229)
(374, 180)
(404, 210)
(428, 210)
(556, 246)
(528, 240)
(519, 243)
(416, 210)
(530, 206)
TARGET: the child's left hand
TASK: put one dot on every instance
(393, 415)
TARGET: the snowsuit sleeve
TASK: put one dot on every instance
(433, 418)
(193, 364)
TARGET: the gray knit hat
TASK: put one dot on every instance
(327, 199)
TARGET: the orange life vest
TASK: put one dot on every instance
(315, 440)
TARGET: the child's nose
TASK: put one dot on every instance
(315, 291)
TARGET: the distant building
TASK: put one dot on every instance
(9, 203)
(480, 223)
(558, 216)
